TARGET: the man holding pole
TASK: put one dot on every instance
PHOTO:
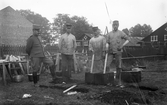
(97, 45)
(115, 40)
(67, 46)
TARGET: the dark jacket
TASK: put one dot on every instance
(34, 47)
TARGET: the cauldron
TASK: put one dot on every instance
(30, 77)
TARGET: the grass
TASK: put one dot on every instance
(13, 92)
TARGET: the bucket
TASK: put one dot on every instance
(30, 77)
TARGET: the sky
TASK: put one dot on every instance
(128, 12)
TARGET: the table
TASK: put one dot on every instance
(4, 69)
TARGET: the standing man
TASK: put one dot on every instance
(116, 42)
(67, 46)
(35, 50)
(97, 45)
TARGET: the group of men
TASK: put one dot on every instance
(98, 45)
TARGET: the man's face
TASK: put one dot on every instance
(36, 32)
(115, 26)
(96, 33)
(68, 29)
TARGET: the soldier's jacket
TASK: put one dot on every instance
(98, 45)
(34, 47)
(115, 40)
(67, 44)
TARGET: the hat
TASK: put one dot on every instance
(36, 27)
(115, 22)
(95, 28)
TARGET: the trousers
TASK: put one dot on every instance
(66, 65)
(36, 62)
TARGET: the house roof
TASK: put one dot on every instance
(84, 36)
(134, 41)
(164, 25)
(14, 28)
(9, 16)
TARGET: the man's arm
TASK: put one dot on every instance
(29, 46)
(126, 38)
(91, 45)
(75, 43)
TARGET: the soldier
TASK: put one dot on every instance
(116, 42)
(97, 45)
(67, 46)
(35, 50)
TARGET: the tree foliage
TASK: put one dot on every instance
(36, 18)
(126, 31)
(80, 25)
(140, 30)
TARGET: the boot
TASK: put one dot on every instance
(35, 78)
(53, 74)
(118, 76)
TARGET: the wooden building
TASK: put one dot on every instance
(156, 38)
(14, 28)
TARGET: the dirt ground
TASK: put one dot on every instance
(152, 90)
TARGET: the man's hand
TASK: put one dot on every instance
(107, 46)
(119, 48)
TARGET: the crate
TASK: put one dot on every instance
(99, 78)
(131, 76)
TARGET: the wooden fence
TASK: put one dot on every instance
(127, 52)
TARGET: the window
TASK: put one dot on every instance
(85, 43)
(165, 37)
(154, 38)
(166, 29)
(78, 43)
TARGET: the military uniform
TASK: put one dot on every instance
(115, 40)
(67, 46)
(35, 50)
(97, 45)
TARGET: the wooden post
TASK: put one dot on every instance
(92, 64)
(75, 62)
(4, 73)
(57, 61)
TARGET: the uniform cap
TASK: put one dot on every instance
(36, 27)
(95, 28)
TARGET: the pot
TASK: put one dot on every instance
(30, 77)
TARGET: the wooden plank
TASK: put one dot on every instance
(4, 74)
(142, 57)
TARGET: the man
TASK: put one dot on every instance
(35, 50)
(67, 46)
(97, 45)
(116, 42)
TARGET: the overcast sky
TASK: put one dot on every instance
(128, 12)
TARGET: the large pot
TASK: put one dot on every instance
(30, 77)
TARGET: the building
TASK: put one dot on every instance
(156, 38)
(14, 28)
(83, 42)
(133, 41)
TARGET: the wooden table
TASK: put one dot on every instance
(4, 69)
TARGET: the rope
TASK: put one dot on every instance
(108, 12)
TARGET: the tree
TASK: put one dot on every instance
(36, 18)
(80, 25)
(126, 31)
(140, 31)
